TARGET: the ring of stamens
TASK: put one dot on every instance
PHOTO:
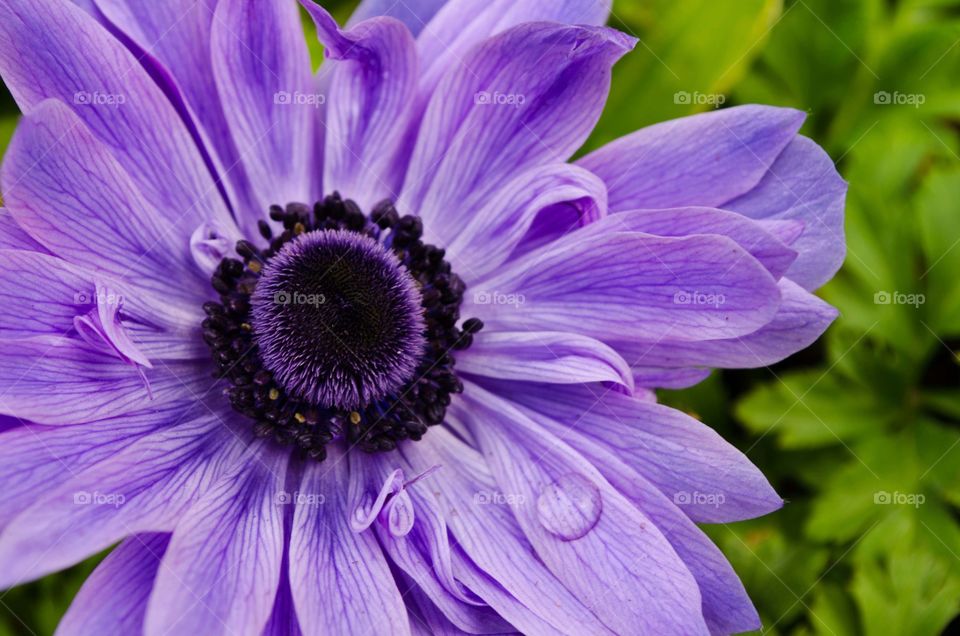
(372, 419)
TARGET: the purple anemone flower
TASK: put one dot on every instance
(363, 352)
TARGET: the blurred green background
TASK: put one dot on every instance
(860, 433)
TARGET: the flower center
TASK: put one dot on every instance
(343, 327)
(338, 319)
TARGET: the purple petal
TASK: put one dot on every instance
(340, 580)
(481, 242)
(630, 285)
(222, 569)
(801, 319)
(752, 236)
(492, 556)
(662, 378)
(45, 52)
(542, 356)
(70, 193)
(726, 606)
(415, 14)
(262, 72)
(803, 184)
(172, 39)
(703, 160)
(682, 457)
(34, 458)
(14, 237)
(462, 24)
(371, 96)
(125, 577)
(146, 487)
(582, 528)
(53, 380)
(529, 96)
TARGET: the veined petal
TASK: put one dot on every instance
(340, 579)
(45, 53)
(702, 160)
(585, 531)
(528, 96)
(113, 600)
(262, 73)
(630, 286)
(222, 569)
(69, 192)
(371, 95)
(544, 356)
(803, 185)
(685, 459)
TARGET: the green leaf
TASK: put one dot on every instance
(690, 54)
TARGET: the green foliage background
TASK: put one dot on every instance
(871, 413)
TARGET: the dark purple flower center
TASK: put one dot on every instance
(343, 327)
(338, 319)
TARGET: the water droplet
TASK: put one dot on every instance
(569, 507)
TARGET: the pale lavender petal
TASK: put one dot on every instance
(34, 458)
(492, 233)
(753, 237)
(70, 193)
(544, 356)
(585, 531)
(175, 37)
(630, 286)
(146, 487)
(726, 607)
(45, 52)
(492, 556)
(415, 14)
(803, 185)
(222, 570)
(702, 160)
(664, 378)
(14, 237)
(55, 380)
(462, 24)
(801, 319)
(262, 73)
(113, 600)
(529, 96)
(340, 579)
(679, 455)
(374, 77)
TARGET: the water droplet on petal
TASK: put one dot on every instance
(569, 507)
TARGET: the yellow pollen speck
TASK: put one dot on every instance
(299, 228)
(274, 394)
(354, 418)
(254, 266)
(246, 326)
(299, 417)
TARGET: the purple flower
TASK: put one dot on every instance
(423, 403)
